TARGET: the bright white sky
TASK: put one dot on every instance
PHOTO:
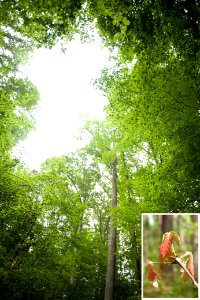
(64, 83)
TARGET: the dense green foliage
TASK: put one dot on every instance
(42, 21)
(54, 224)
(159, 114)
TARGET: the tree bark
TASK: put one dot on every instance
(137, 261)
(133, 236)
(110, 274)
(167, 224)
(135, 249)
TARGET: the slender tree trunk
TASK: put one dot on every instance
(133, 236)
(180, 225)
(110, 275)
(167, 223)
(137, 261)
(72, 279)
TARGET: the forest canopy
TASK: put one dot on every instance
(73, 229)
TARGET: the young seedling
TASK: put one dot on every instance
(168, 256)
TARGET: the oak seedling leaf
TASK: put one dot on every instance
(154, 273)
(166, 247)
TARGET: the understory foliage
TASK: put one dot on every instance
(55, 224)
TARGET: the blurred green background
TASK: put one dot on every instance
(171, 285)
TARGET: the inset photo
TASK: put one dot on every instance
(170, 255)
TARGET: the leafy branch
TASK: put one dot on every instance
(167, 255)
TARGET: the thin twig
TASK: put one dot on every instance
(181, 264)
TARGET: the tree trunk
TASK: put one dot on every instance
(110, 274)
(137, 261)
(133, 236)
(72, 279)
(167, 224)
(180, 225)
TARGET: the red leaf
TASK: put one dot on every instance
(190, 265)
(151, 272)
(166, 249)
(165, 246)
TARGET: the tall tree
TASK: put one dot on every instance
(106, 147)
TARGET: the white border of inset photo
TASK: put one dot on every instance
(142, 262)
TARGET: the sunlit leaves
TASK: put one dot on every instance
(18, 97)
(45, 21)
(155, 108)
